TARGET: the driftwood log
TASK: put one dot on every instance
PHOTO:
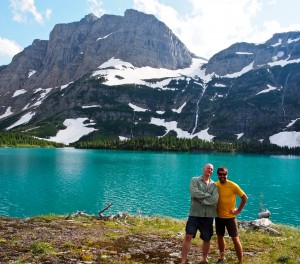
(100, 216)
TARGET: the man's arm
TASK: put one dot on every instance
(244, 199)
(197, 193)
(213, 199)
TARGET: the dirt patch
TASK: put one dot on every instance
(80, 241)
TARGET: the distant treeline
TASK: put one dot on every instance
(168, 143)
(185, 145)
(14, 139)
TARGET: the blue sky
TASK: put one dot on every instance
(204, 26)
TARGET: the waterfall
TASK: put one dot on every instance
(197, 108)
(282, 98)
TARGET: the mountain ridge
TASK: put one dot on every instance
(246, 92)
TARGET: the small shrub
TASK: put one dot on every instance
(283, 259)
(69, 245)
(86, 256)
(39, 248)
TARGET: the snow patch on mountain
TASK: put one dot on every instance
(172, 126)
(23, 120)
(65, 86)
(239, 135)
(286, 139)
(90, 106)
(118, 72)
(75, 129)
(8, 112)
(270, 88)
(179, 109)
(240, 73)
(31, 72)
(137, 108)
(19, 92)
(293, 122)
(283, 63)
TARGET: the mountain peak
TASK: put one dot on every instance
(136, 13)
(89, 18)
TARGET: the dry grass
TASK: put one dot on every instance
(53, 239)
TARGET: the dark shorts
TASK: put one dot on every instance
(230, 224)
(203, 224)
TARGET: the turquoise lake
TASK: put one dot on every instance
(62, 181)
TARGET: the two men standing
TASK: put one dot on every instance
(209, 200)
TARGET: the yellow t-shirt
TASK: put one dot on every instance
(227, 198)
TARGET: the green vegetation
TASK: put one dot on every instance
(21, 140)
(169, 143)
(38, 248)
(131, 240)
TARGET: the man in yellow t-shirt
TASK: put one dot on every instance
(227, 212)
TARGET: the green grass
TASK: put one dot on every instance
(259, 246)
(40, 247)
(54, 239)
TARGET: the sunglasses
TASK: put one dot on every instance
(222, 173)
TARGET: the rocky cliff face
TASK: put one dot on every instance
(15, 75)
(77, 48)
(92, 71)
(281, 46)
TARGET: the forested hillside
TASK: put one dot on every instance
(11, 139)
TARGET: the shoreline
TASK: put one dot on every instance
(131, 239)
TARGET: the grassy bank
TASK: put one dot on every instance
(54, 239)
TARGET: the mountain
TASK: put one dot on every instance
(130, 76)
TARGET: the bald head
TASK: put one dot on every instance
(208, 169)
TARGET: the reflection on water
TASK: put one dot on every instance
(62, 181)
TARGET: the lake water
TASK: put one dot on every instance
(62, 181)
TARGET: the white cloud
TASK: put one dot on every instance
(9, 47)
(215, 25)
(21, 8)
(158, 9)
(272, 2)
(48, 13)
(94, 6)
(164, 13)
(212, 26)
(276, 27)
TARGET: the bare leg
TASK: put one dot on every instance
(186, 247)
(238, 248)
(222, 246)
(205, 249)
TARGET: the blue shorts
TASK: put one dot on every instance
(203, 224)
